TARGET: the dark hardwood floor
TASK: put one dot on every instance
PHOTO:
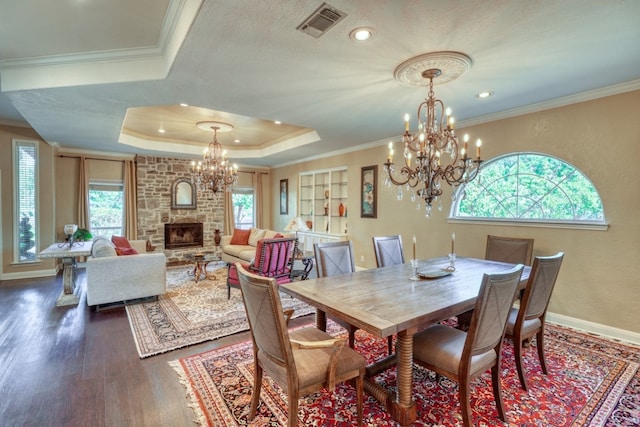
(70, 366)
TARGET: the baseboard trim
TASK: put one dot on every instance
(595, 328)
(29, 274)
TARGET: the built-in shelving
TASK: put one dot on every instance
(323, 201)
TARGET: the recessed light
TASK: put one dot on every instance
(485, 94)
(184, 104)
(237, 141)
(161, 130)
(278, 122)
(361, 34)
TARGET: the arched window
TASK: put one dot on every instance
(529, 187)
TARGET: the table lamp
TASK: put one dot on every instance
(296, 224)
(69, 231)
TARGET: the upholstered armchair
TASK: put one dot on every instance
(332, 259)
(528, 320)
(462, 356)
(388, 250)
(274, 259)
(300, 361)
(509, 249)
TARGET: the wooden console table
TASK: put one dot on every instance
(68, 254)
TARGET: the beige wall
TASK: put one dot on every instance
(46, 194)
(598, 280)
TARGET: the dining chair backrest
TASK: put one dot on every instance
(509, 249)
(540, 285)
(333, 258)
(264, 314)
(388, 250)
(489, 319)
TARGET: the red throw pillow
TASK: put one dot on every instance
(277, 236)
(120, 242)
(240, 237)
(126, 251)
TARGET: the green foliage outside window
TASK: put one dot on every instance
(530, 187)
(106, 212)
(243, 209)
(26, 236)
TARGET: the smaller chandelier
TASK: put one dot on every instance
(214, 172)
(424, 168)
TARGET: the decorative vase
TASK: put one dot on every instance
(216, 236)
(341, 209)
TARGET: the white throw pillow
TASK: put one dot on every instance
(103, 248)
(255, 235)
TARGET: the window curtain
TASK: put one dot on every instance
(229, 221)
(257, 188)
(130, 200)
(83, 194)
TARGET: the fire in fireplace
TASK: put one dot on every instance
(183, 235)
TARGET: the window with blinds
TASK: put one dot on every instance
(25, 190)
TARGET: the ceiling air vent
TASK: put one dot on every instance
(321, 20)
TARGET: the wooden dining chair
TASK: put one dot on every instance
(388, 251)
(462, 356)
(509, 249)
(332, 259)
(300, 361)
(528, 319)
(512, 250)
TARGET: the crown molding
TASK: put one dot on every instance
(554, 103)
(113, 66)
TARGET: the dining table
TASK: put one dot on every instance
(386, 301)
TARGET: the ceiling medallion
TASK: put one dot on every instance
(220, 127)
(451, 64)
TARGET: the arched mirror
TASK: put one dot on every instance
(183, 194)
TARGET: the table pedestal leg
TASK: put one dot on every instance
(68, 296)
(400, 405)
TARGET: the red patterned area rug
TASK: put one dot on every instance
(591, 382)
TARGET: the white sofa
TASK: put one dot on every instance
(246, 253)
(112, 278)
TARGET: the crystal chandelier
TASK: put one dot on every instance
(423, 164)
(214, 172)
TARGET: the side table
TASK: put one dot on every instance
(307, 260)
(69, 254)
(200, 263)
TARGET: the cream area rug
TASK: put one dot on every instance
(191, 313)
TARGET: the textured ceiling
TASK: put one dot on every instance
(82, 64)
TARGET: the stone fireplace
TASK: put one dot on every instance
(155, 178)
(183, 235)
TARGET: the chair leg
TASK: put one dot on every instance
(540, 344)
(293, 409)
(390, 344)
(497, 389)
(517, 347)
(465, 406)
(257, 386)
(359, 396)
